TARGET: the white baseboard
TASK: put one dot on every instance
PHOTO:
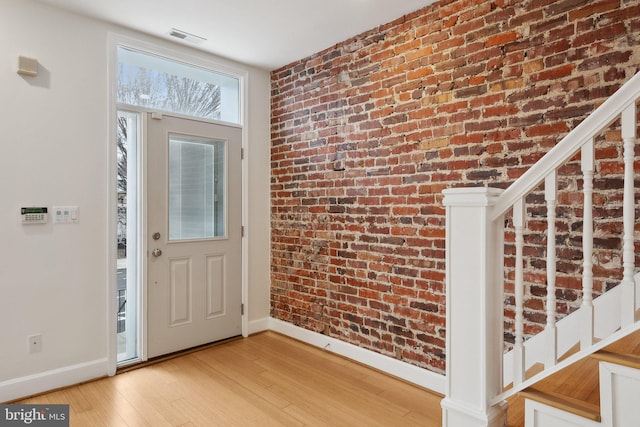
(410, 373)
(260, 325)
(50, 380)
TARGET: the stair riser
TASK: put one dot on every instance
(537, 414)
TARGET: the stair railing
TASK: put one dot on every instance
(475, 268)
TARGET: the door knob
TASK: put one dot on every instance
(156, 252)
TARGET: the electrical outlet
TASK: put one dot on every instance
(35, 343)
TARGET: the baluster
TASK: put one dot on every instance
(628, 257)
(550, 194)
(586, 331)
(518, 350)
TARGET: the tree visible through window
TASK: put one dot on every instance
(158, 90)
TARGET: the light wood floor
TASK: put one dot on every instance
(264, 380)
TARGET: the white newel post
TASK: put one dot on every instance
(474, 280)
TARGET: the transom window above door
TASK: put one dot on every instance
(157, 83)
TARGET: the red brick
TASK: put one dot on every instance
(502, 110)
(453, 95)
(500, 39)
(596, 7)
(548, 24)
(606, 33)
(554, 73)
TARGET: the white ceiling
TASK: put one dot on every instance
(263, 33)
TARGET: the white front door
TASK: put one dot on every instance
(194, 290)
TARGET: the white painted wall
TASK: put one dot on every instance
(54, 133)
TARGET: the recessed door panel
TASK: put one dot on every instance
(181, 298)
(215, 285)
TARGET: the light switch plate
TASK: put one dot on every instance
(65, 214)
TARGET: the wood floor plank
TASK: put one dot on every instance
(250, 379)
(267, 380)
(216, 396)
(112, 414)
(246, 395)
(318, 409)
(120, 412)
(323, 381)
(233, 386)
(147, 407)
(420, 419)
(328, 398)
(306, 417)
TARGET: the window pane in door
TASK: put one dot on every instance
(196, 188)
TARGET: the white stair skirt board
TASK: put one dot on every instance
(410, 373)
(50, 380)
(607, 321)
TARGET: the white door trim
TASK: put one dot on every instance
(184, 54)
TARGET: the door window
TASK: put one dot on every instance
(196, 188)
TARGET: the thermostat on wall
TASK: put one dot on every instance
(34, 215)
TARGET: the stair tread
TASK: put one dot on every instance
(578, 381)
(630, 360)
(565, 403)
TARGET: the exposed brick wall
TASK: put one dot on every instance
(367, 134)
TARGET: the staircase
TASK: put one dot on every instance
(573, 396)
(577, 371)
(602, 390)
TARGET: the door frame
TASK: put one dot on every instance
(197, 59)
